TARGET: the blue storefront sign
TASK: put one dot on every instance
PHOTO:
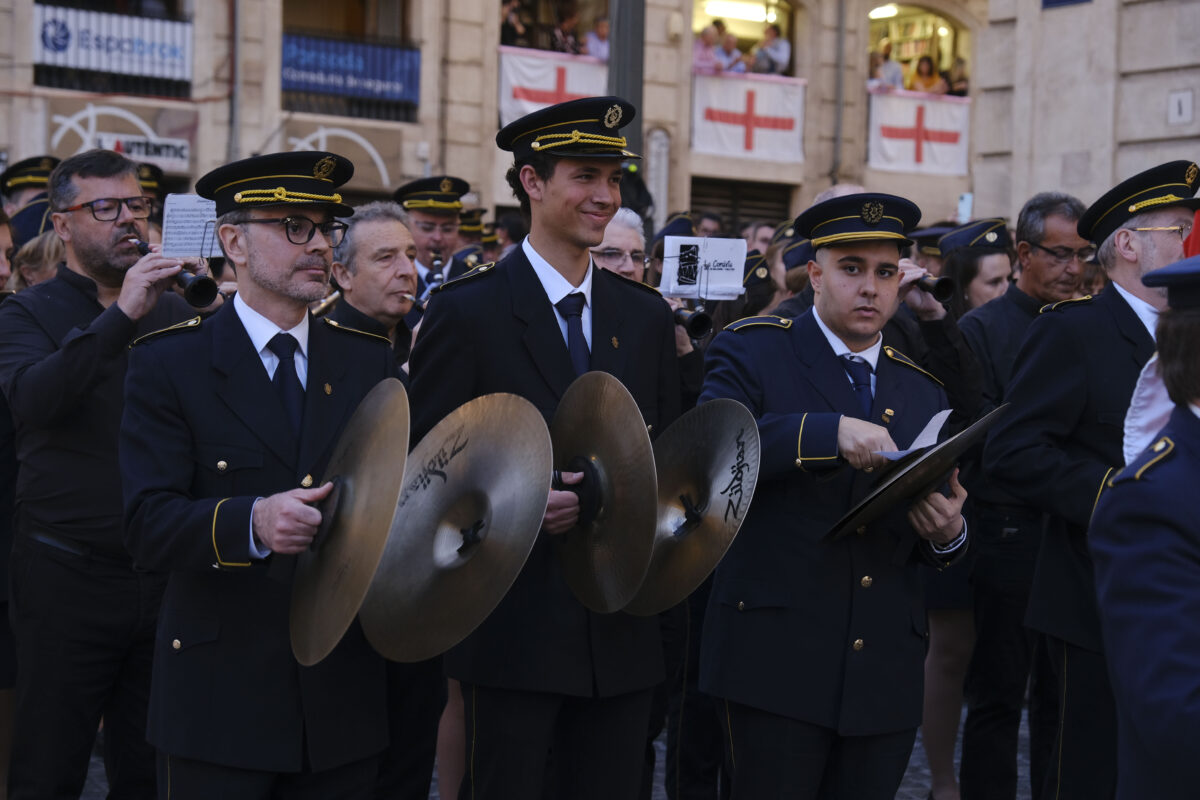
(330, 66)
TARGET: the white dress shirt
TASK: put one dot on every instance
(1147, 313)
(870, 355)
(557, 287)
(261, 330)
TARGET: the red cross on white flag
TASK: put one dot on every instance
(916, 132)
(533, 79)
(748, 117)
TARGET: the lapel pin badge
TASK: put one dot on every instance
(328, 389)
(615, 343)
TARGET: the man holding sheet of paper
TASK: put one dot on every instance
(815, 647)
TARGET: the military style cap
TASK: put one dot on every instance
(584, 128)
(279, 179)
(26, 173)
(852, 218)
(798, 254)
(489, 233)
(926, 239)
(150, 176)
(439, 194)
(1182, 280)
(31, 221)
(1171, 184)
(471, 220)
(756, 270)
(982, 234)
(678, 224)
(783, 231)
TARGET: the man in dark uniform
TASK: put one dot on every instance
(543, 671)
(226, 425)
(816, 646)
(1145, 543)
(1007, 532)
(433, 205)
(83, 616)
(24, 180)
(1056, 447)
(375, 268)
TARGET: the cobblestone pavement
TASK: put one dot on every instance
(914, 787)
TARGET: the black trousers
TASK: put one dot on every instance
(1006, 541)
(594, 746)
(187, 779)
(1083, 764)
(416, 697)
(84, 629)
(778, 758)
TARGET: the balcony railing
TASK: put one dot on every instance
(93, 51)
(350, 78)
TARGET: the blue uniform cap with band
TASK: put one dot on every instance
(853, 218)
(279, 179)
(981, 234)
(438, 194)
(585, 128)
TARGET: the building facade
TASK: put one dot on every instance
(1063, 94)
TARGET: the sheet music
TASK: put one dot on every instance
(189, 227)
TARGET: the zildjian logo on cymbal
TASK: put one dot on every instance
(734, 489)
(454, 444)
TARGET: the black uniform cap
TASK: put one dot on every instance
(279, 179)
(1171, 184)
(28, 172)
(440, 194)
(584, 128)
(981, 234)
(853, 218)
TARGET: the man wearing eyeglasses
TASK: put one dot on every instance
(1061, 440)
(227, 425)
(83, 614)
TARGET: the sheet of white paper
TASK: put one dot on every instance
(707, 268)
(189, 227)
(926, 438)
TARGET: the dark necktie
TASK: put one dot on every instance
(286, 380)
(860, 376)
(571, 307)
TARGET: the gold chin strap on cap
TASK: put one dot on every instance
(432, 204)
(282, 195)
(549, 140)
(1155, 201)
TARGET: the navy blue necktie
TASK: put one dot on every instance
(286, 380)
(860, 376)
(571, 307)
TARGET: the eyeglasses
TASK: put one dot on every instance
(1062, 255)
(612, 257)
(107, 209)
(300, 230)
(1182, 230)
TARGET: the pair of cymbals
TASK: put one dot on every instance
(421, 549)
(664, 515)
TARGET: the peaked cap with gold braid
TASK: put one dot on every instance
(440, 194)
(584, 128)
(27, 173)
(852, 218)
(279, 179)
(1170, 184)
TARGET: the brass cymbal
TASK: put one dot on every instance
(915, 476)
(367, 468)
(707, 464)
(472, 505)
(598, 429)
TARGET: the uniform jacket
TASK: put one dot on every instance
(827, 632)
(204, 434)
(495, 331)
(1146, 548)
(1061, 439)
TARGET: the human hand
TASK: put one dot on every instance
(145, 281)
(920, 301)
(939, 518)
(858, 440)
(287, 522)
(562, 507)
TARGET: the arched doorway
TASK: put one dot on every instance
(915, 31)
(747, 20)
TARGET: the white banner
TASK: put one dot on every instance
(533, 79)
(172, 155)
(917, 132)
(748, 117)
(69, 37)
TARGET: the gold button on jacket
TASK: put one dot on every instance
(859, 644)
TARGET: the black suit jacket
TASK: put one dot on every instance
(827, 632)
(1061, 439)
(203, 436)
(495, 331)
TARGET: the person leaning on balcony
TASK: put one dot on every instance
(596, 40)
(563, 36)
(891, 74)
(925, 78)
(728, 56)
(773, 53)
(704, 52)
